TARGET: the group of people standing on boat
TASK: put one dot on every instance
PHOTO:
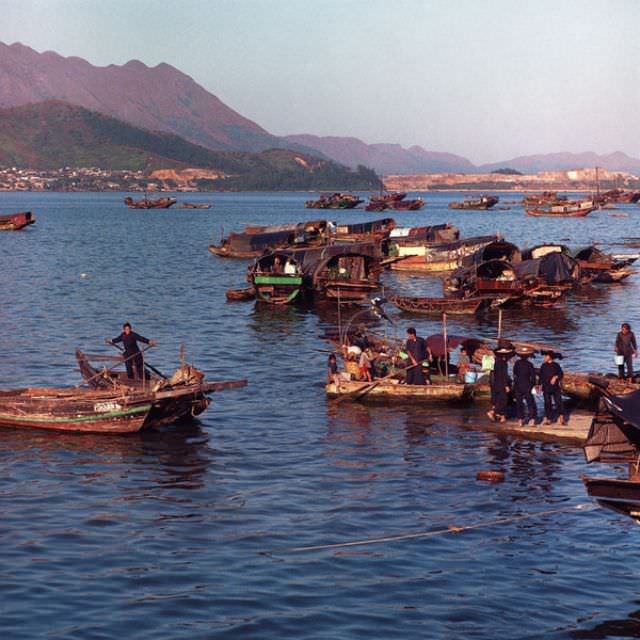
(524, 383)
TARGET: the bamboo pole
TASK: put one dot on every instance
(446, 347)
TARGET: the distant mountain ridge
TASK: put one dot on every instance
(616, 161)
(159, 98)
(53, 134)
(383, 158)
(162, 98)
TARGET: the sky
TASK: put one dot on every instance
(486, 79)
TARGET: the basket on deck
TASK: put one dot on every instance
(352, 368)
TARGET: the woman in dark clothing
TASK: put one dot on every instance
(627, 348)
(500, 385)
(524, 381)
(132, 355)
(550, 377)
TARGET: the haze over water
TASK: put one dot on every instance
(188, 533)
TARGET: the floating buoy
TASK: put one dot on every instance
(83, 275)
(490, 476)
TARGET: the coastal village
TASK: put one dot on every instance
(194, 179)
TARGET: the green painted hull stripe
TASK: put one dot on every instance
(277, 280)
(92, 418)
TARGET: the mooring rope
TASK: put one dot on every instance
(437, 532)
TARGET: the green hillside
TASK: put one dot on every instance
(50, 135)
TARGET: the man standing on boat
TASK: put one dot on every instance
(500, 384)
(524, 381)
(417, 351)
(132, 355)
(626, 349)
(550, 377)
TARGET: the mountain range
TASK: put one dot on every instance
(52, 134)
(164, 99)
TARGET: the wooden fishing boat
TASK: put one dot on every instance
(614, 438)
(376, 206)
(391, 196)
(618, 494)
(602, 267)
(438, 306)
(16, 221)
(347, 272)
(334, 201)
(247, 293)
(579, 386)
(150, 203)
(482, 203)
(373, 231)
(620, 196)
(544, 199)
(169, 399)
(194, 205)
(407, 205)
(254, 241)
(75, 410)
(569, 209)
(439, 257)
(392, 391)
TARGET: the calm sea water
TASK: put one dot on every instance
(191, 532)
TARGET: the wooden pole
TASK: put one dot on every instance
(446, 346)
(499, 323)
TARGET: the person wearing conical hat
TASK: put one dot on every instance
(524, 381)
(500, 384)
(550, 378)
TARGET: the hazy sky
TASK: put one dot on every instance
(487, 79)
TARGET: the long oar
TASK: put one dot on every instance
(146, 364)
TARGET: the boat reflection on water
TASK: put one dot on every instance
(175, 456)
(628, 627)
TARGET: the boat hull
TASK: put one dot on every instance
(392, 391)
(73, 411)
(619, 495)
(438, 306)
(16, 221)
(277, 289)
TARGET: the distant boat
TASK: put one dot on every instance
(543, 199)
(482, 203)
(150, 203)
(193, 205)
(407, 205)
(569, 209)
(334, 201)
(16, 221)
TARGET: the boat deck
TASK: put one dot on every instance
(574, 432)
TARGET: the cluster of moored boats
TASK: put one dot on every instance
(321, 259)
(395, 200)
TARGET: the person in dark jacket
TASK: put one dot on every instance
(417, 350)
(626, 347)
(524, 381)
(550, 378)
(132, 355)
(500, 384)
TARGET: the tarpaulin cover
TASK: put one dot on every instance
(553, 268)
(260, 241)
(365, 227)
(312, 260)
(543, 249)
(434, 233)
